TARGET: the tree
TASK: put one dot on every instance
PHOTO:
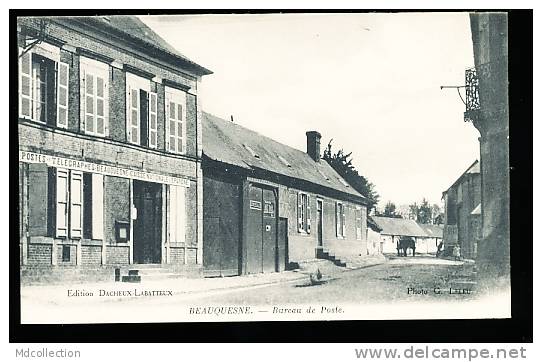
(390, 210)
(422, 213)
(341, 162)
(413, 211)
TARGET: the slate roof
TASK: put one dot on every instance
(474, 168)
(399, 227)
(138, 31)
(233, 144)
(372, 224)
(431, 230)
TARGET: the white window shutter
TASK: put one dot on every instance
(63, 73)
(106, 106)
(25, 84)
(97, 206)
(181, 214)
(173, 213)
(309, 214)
(299, 212)
(167, 123)
(99, 104)
(337, 219)
(61, 219)
(128, 113)
(82, 99)
(181, 137)
(76, 204)
(344, 221)
(153, 120)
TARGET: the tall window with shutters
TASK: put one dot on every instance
(175, 120)
(340, 220)
(79, 204)
(141, 112)
(43, 85)
(94, 92)
(303, 213)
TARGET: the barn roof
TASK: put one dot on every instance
(399, 227)
(432, 231)
(230, 143)
(372, 224)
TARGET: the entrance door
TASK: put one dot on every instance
(261, 248)
(319, 206)
(282, 248)
(269, 245)
(148, 224)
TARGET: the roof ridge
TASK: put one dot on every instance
(302, 166)
(260, 135)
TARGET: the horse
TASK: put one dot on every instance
(404, 243)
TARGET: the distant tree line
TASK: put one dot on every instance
(423, 212)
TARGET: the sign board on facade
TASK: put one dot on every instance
(84, 166)
(255, 205)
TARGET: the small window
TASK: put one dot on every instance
(343, 181)
(66, 257)
(340, 220)
(359, 224)
(252, 152)
(304, 213)
(324, 175)
(284, 161)
(269, 209)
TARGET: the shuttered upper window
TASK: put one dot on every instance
(43, 85)
(175, 120)
(94, 91)
(303, 212)
(141, 111)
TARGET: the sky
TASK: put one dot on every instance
(370, 82)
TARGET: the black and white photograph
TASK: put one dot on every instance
(263, 166)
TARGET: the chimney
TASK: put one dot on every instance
(313, 145)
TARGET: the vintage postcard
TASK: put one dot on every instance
(263, 167)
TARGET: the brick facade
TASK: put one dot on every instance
(39, 244)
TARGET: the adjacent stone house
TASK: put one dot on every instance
(268, 206)
(461, 222)
(109, 147)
